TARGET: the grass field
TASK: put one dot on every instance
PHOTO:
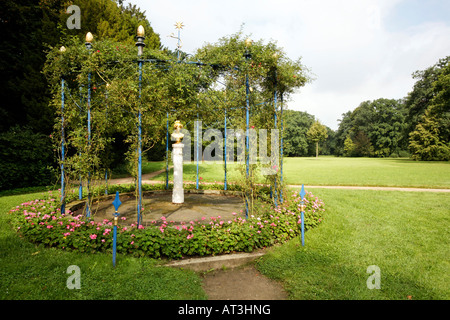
(330, 170)
(405, 234)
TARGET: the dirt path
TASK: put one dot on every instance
(374, 188)
(241, 283)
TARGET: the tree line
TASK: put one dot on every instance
(417, 126)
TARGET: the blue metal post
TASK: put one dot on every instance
(140, 45)
(80, 188)
(115, 241)
(225, 154)
(276, 127)
(167, 152)
(281, 150)
(139, 205)
(247, 108)
(196, 147)
(106, 182)
(88, 209)
(89, 47)
(302, 217)
(116, 204)
(63, 201)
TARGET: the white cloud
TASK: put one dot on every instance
(349, 45)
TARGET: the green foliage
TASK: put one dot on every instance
(316, 133)
(41, 222)
(185, 89)
(26, 159)
(425, 143)
(375, 127)
(296, 124)
(431, 138)
(424, 90)
(385, 127)
(349, 146)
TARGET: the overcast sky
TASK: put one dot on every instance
(357, 50)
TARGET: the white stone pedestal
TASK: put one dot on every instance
(177, 156)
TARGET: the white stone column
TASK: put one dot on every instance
(177, 156)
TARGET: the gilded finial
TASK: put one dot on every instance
(179, 25)
(177, 135)
(89, 37)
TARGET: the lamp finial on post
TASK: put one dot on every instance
(89, 38)
(140, 40)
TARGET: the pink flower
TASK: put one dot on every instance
(93, 236)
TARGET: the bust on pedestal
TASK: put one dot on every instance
(177, 156)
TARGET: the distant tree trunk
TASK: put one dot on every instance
(317, 149)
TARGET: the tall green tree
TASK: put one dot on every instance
(375, 127)
(419, 99)
(296, 125)
(425, 143)
(317, 133)
(431, 138)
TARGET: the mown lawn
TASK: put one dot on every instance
(405, 234)
(387, 172)
(330, 170)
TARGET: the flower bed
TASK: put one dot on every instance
(40, 221)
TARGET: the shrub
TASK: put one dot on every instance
(26, 159)
(40, 221)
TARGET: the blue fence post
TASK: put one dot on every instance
(225, 152)
(281, 149)
(167, 152)
(302, 208)
(247, 56)
(276, 127)
(116, 204)
(80, 187)
(106, 182)
(63, 201)
(196, 148)
(140, 46)
(88, 45)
